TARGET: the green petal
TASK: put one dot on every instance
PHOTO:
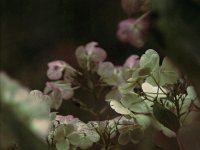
(63, 145)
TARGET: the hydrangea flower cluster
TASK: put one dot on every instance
(143, 92)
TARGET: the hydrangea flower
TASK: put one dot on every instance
(90, 55)
(58, 91)
(56, 69)
(132, 31)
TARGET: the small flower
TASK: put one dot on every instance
(95, 52)
(63, 87)
(132, 31)
(90, 55)
(55, 69)
(58, 91)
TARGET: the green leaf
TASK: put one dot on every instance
(63, 145)
(166, 117)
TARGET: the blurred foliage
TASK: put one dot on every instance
(178, 25)
(22, 126)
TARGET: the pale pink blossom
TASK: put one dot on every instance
(55, 69)
(132, 31)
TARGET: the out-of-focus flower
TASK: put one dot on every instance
(132, 7)
(133, 31)
(90, 55)
(41, 126)
(30, 107)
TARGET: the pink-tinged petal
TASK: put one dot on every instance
(69, 119)
(124, 29)
(63, 87)
(133, 31)
(97, 53)
(90, 47)
(55, 95)
(131, 61)
(90, 55)
(55, 69)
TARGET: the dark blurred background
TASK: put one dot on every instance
(34, 32)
